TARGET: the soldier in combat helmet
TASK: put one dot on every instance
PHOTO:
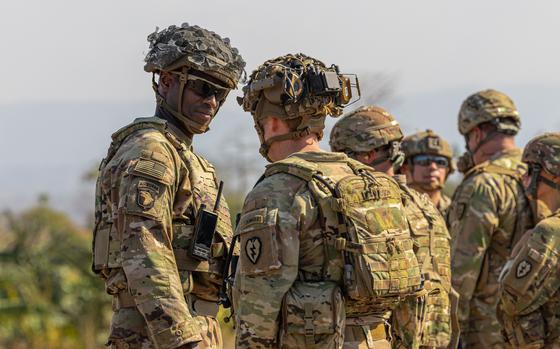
(429, 161)
(529, 307)
(160, 259)
(318, 263)
(488, 212)
(371, 135)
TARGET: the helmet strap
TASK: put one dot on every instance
(191, 125)
(265, 146)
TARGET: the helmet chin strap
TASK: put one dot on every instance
(265, 145)
(395, 155)
(191, 125)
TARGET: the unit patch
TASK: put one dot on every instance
(253, 249)
(147, 194)
(523, 268)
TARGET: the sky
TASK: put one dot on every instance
(74, 71)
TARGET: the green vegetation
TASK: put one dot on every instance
(48, 296)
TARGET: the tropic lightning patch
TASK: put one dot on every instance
(147, 194)
(523, 268)
(253, 249)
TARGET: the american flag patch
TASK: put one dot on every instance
(150, 168)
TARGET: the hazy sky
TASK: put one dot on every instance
(93, 50)
(73, 70)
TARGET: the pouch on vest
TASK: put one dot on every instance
(313, 316)
(366, 209)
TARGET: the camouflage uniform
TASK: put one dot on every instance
(294, 286)
(429, 143)
(150, 188)
(421, 321)
(529, 308)
(487, 214)
(443, 205)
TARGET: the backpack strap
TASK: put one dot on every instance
(489, 167)
(300, 168)
(308, 172)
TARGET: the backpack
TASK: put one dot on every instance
(362, 209)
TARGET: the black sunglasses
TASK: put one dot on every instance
(205, 88)
(427, 160)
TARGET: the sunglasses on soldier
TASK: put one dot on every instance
(205, 88)
(427, 160)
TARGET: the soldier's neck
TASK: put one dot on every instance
(171, 119)
(499, 143)
(282, 149)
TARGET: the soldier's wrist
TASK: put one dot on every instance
(176, 336)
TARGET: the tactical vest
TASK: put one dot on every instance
(362, 218)
(204, 187)
(523, 215)
(530, 283)
(432, 241)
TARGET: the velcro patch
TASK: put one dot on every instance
(150, 168)
(147, 194)
(523, 268)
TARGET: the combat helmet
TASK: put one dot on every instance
(365, 129)
(427, 142)
(489, 106)
(184, 49)
(299, 88)
(542, 153)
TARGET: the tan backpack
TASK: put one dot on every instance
(362, 211)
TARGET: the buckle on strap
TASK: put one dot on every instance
(309, 328)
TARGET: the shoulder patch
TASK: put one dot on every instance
(523, 268)
(150, 168)
(253, 249)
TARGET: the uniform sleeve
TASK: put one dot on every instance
(269, 232)
(474, 218)
(145, 200)
(531, 278)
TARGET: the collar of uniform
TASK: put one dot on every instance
(183, 137)
(515, 152)
(316, 156)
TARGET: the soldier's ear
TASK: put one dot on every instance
(165, 82)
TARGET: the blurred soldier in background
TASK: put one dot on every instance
(487, 214)
(317, 262)
(162, 227)
(372, 136)
(429, 161)
(529, 308)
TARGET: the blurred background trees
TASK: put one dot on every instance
(48, 296)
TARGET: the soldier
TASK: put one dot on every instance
(372, 136)
(429, 161)
(154, 242)
(487, 213)
(313, 255)
(530, 282)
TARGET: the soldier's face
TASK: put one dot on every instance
(430, 175)
(197, 108)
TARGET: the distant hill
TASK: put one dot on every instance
(47, 147)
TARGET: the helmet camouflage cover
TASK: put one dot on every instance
(427, 142)
(545, 151)
(489, 106)
(295, 87)
(364, 129)
(197, 48)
